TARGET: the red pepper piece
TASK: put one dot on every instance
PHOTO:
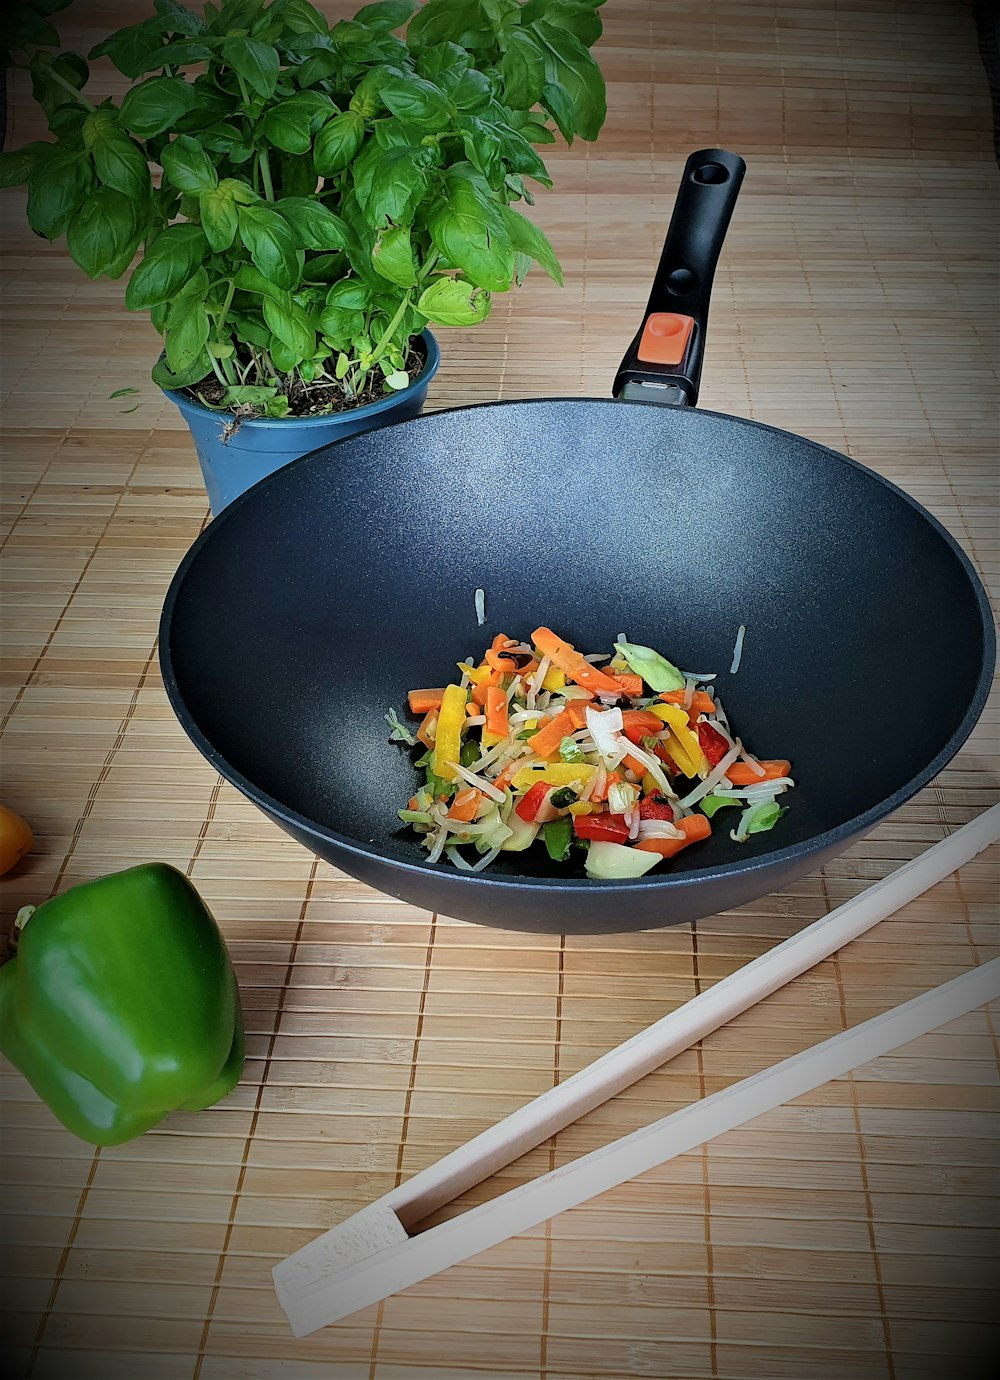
(655, 806)
(713, 745)
(640, 723)
(527, 808)
(601, 828)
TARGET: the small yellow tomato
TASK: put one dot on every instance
(16, 839)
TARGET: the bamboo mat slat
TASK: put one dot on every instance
(851, 1233)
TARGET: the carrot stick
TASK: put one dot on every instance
(546, 741)
(577, 711)
(631, 685)
(496, 711)
(423, 700)
(635, 765)
(700, 702)
(568, 659)
(423, 733)
(479, 692)
(465, 805)
(743, 774)
(694, 827)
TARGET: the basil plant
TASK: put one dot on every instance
(303, 198)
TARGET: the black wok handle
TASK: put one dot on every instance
(663, 363)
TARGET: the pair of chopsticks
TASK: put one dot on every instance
(372, 1255)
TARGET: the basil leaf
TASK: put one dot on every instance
(471, 91)
(257, 63)
(188, 166)
(570, 68)
(157, 104)
(452, 302)
(166, 377)
(449, 21)
(102, 231)
(219, 217)
(577, 17)
(250, 279)
(522, 70)
(467, 228)
(291, 325)
(299, 17)
(340, 324)
(57, 185)
(337, 142)
(271, 244)
(443, 63)
(392, 256)
(178, 54)
(388, 15)
(167, 264)
(121, 164)
(390, 183)
(290, 124)
(132, 50)
(528, 239)
(16, 164)
(187, 325)
(181, 20)
(350, 294)
(314, 225)
(412, 98)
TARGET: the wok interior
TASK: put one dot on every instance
(316, 601)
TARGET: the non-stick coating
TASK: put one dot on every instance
(310, 606)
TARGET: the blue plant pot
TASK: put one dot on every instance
(258, 448)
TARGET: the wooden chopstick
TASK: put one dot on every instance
(372, 1254)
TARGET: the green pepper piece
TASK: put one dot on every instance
(558, 834)
(471, 752)
(121, 1005)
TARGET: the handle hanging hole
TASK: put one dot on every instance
(710, 174)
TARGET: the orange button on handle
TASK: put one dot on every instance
(665, 337)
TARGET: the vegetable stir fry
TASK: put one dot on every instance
(624, 760)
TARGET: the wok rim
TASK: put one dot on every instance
(540, 887)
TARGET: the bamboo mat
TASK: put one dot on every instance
(850, 1234)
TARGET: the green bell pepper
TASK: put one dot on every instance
(121, 1004)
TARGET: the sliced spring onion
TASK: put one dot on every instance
(710, 803)
(399, 733)
(570, 751)
(415, 817)
(757, 819)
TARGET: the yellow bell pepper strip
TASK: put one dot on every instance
(554, 679)
(681, 744)
(555, 774)
(121, 1004)
(448, 741)
(16, 839)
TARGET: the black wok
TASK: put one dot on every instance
(310, 605)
